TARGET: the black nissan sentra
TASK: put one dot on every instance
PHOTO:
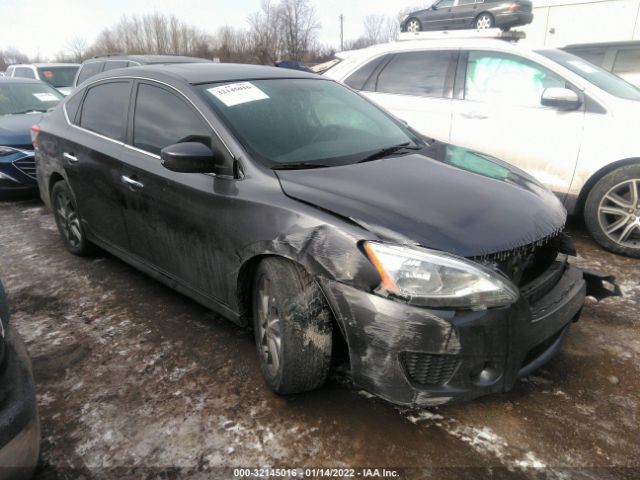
(286, 201)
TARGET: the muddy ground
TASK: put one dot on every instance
(137, 381)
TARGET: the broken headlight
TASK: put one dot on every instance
(435, 279)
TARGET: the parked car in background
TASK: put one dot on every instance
(19, 423)
(621, 58)
(567, 122)
(280, 198)
(94, 66)
(22, 103)
(59, 75)
(463, 14)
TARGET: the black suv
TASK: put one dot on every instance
(96, 65)
(286, 201)
(463, 14)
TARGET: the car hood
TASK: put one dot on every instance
(15, 130)
(445, 198)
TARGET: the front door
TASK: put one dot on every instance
(440, 16)
(500, 114)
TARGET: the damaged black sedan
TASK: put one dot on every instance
(286, 201)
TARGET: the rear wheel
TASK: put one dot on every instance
(292, 326)
(485, 21)
(413, 25)
(612, 211)
(65, 212)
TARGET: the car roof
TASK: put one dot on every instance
(630, 43)
(197, 73)
(18, 80)
(41, 65)
(150, 59)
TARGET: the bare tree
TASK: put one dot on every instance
(11, 56)
(77, 48)
(300, 26)
(374, 28)
(265, 33)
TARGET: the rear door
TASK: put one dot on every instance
(174, 219)
(91, 156)
(498, 111)
(417, 88)
(440, 17)
(464, 13)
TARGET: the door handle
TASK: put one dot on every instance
(474, 116)
(133, 184)
(70, 157)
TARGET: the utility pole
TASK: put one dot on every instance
(341, 17)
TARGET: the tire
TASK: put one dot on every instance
(300, 318)
(413, 25)
(65, 211)
(485, 21)
(610, 216)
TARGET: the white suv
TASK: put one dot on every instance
(571, 124)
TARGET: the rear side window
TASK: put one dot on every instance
(88, 70)
(627, 62)
(162, 119)
(358, 79)
(424, 74)
(104, 109)
(593, 55)
(72, 105)
(24, 73)
(112, 65)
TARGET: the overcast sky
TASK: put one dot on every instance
(44, 27)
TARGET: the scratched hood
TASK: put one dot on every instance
(15, 130)
(446, 198)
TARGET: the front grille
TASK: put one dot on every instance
(429, 369)
(27, 166)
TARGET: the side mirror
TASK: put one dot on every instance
(434, 7)
(560, 98)
(191, 157)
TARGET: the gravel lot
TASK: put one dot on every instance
(136, 380)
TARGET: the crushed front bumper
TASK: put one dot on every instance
(417, 357)
(19, 423)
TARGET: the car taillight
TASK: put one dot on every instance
(35, 131)
(515, 7)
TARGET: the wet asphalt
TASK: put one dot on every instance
(137, 381)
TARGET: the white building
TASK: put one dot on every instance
(562, 22)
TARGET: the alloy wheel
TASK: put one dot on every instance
(269, 333)
(68, 219)
(619, 213)
(484, 21)
(413, 26)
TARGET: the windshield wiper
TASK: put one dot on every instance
(299, 166)
(385, 152)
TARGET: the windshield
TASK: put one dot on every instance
(599, 77)
(27, 97)
(301, 121)
(58, 76)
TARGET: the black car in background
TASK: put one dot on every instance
(19, 423)
(97, 65)
(621, 58)
(464, 14)
(22, 103)
(286, 201)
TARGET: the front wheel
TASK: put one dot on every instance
(65, 212)
(485, 21)
(612, 211)
(413, 25)
(292, 326)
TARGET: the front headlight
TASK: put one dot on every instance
(435, 279)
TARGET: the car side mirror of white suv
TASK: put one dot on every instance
(560, 98)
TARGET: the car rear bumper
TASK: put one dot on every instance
(19, 423)
(416, 357)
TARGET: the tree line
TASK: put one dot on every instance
(279, 30)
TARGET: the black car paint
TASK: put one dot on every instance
(19, 423)
(464, 16)
(204, 234)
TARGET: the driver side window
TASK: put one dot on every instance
(446, 4)
(494, 77)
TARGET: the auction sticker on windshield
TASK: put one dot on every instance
(238, 93)
(46, 97)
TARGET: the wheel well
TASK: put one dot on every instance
(593, 179)
(244, 290)
(55, 178)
